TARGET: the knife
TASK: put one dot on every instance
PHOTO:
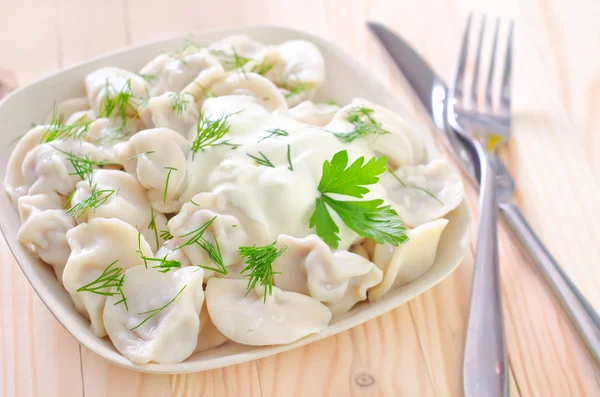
(432, 93)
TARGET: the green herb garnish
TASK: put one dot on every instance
(82, 165)
(165, 234)
(110, 277)
(213, 251)
(152, 225)
(95, 200)
(289, 157)
(58, 130)
(171, 169)
(274, 132)
(154, 312)
(208, 132)
(119, 105)
(179, 102)
(259, 266)
(262, 160)
(364, 124)
(370, 219)
(425, 190)
(196, 235)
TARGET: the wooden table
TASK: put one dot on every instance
(415, 350)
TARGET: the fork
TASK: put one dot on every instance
(484, 129)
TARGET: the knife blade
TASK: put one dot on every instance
(432, 93)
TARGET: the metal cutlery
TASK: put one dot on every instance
(484, 128)
(432, 93)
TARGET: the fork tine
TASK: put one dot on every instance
(462, 61)
(506, 78)
(475, 84)
(489, 87)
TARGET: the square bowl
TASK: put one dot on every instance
(346, 79)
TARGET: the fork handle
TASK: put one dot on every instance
(583, 315)
(485, 369)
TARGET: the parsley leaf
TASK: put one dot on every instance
(370, 219)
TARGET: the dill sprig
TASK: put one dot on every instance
(293, 89)
(164, 264)
(262, 160)
(364, 124)
(259, 266)
(95, 200)
(110, 277)
(423, 189)
(227, 142)
(214, 254)
(82, 165)
(150, 78)
(171, 169)
(262, 68)
(58, 130)
(165, 234)
(230, 61)
(184, 49)
(273, 133)
(179, 102)
(207, 93)
(289, 157)
(154, 312)
(140, 154)
(208, 132)
(152, 224)
(196, 235)
(117, 106)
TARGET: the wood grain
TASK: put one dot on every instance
(415, 350)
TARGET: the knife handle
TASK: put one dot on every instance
(583, 315)
(485, 365)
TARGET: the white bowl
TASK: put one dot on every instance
(346, 79)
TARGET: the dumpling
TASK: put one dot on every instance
(163, 319)
(314, 113)
(106, 133)
(209, 336)
(14, 181)
(395, 139)
(410, 260)
(160, 165)
(116, 194)
(339, 279)
(304, 64)
(173, 72)
(230, 227)
(241, 45)
(175, 111)
(44, 225)
(108, 82)
(95, 246)
(422, 193)
(261, 89)
(250, 319)
(49, 167)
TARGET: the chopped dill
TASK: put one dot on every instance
(364, 124)
(152, 225)
(259, 266)
(93, 202)
(263, 160)
(171, 169)
(289, 157)
(154, 312)
(273, 133)
(425, 190)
